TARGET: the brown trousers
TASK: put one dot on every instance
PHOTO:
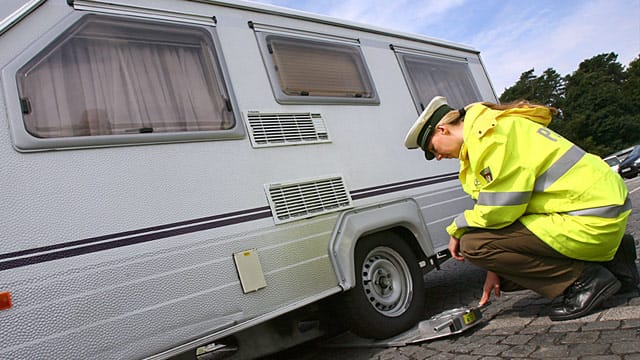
(521, 259)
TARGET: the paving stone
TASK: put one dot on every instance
(519, 351)
(618, 336)
(601, 357)
(622, 312)
(631, 323)
(546, 352)
(588, 349)
(627, 347)
(466, 338)
(416, 352)
(547, 339)
(452, 347)
(467, 348)
(517, 339)
(444, 356)
(581, 337)
(491, 339)
(564, 327)
(463, 357)
(490, 350)
(601, 325)
(501, 325)
(391, 354)
(532, 312)
(534, 329)
(438, 346)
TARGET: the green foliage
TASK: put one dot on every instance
(546, 89)
(599, 103)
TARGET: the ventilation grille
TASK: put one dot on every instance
(278, 129)
(294, 201)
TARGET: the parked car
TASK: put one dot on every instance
(613, 162)
(628, 168)
(622, 154)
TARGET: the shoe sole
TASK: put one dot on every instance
(603, 295)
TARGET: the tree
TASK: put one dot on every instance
(594, 108)
(546, 89)
(523, 88)
(631, 96)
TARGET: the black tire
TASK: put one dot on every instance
(389, 294)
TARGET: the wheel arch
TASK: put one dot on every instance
(403, 217)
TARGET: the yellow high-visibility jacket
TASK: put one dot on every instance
(516, 169)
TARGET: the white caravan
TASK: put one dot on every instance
(178, 174)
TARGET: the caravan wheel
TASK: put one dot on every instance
(389, 294)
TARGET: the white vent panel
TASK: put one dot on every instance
(299, 200)
(280, 129)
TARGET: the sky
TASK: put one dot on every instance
(513, 36)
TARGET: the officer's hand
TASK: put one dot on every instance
(454, 248)
(491, 283)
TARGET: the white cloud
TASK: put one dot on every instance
(561, 39)
(599, 27)
(404, 15)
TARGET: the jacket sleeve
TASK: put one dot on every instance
(500, 182)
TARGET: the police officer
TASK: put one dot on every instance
(547, 216)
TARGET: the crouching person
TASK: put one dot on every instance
(547, 216)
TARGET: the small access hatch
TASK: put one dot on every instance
(249, 270)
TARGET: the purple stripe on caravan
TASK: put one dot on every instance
(9, 264)
(98, 243)
(127, 233)
(399, 186)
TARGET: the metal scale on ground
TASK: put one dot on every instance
(446, 323)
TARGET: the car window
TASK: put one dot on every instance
(612, 161)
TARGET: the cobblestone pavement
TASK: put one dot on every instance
(513, 326)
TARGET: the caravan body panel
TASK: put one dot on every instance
(122, 245)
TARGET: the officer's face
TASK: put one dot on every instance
(443, 144)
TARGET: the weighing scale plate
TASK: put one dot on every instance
(446, 323)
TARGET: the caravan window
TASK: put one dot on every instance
(429, 76)
(305, 70)
(113, 76)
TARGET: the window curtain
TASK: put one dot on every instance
(92, 85)
(315, 69)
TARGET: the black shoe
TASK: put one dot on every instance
(623, 266)
(595, 285)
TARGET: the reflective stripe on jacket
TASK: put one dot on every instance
(517, 169)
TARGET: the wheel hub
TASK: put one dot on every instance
(386, 281)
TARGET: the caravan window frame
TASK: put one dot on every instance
(189, 123)
(465, 91)
(362, 90)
